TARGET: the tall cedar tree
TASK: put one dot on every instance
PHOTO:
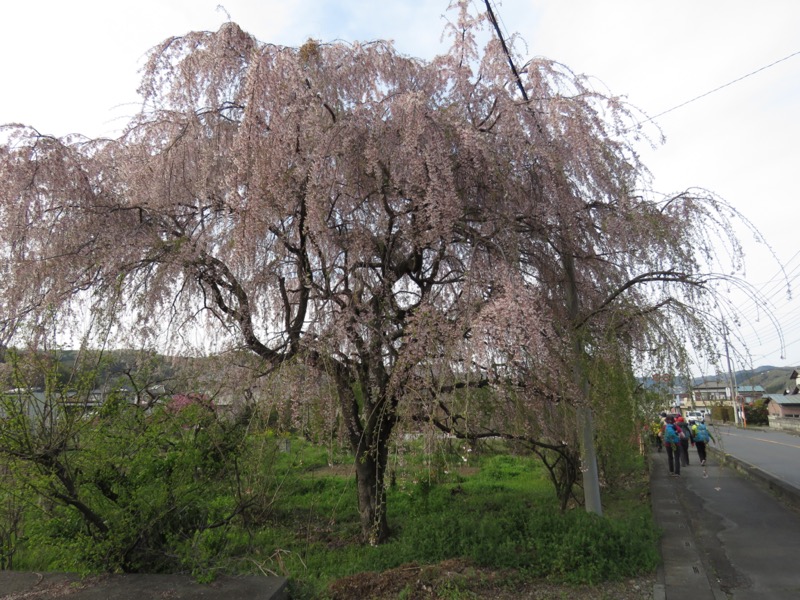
(407, 227)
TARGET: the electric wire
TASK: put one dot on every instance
(723, 86)
(777, 281)
(777, 303)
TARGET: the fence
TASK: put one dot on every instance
(784, 423)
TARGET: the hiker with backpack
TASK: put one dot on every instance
(686, 439)
(701, 436)
(655, 433)
(670, 433)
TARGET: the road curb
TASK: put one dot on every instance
(659, 591)
(784, 490)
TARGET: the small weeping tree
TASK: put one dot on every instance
(526, 417)
(396, 224)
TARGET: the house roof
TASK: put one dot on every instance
(711, 385)
(721, 386)
(790, 400)
(744, 389)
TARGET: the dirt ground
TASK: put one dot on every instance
(450, 580)
(459, 579)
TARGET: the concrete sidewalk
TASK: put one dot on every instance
(683, 573)
(726, 536)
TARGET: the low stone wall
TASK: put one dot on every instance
(784, 423)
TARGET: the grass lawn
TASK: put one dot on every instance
(490, 514)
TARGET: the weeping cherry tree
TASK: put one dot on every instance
(405, 227)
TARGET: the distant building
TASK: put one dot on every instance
(783, 406)
(749, 393)
(707, 394)
(784, 409)
(30, 402)
(41, 407)
(710, 393)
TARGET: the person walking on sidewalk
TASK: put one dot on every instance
(686, 439)
(701, 436)
(672, 442)
(655, 433)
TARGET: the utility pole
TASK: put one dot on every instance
(591, 475)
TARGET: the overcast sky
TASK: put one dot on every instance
(73, 66)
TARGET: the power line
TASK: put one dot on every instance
(661, 114)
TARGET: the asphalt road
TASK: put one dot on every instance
(773, 452)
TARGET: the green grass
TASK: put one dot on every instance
(495, 510)
(502, 516)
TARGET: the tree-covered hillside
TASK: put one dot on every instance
(773, 379)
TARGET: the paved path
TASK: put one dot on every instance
(726, 536)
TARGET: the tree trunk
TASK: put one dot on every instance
(369, 425)
(370, 479)
(563, 470)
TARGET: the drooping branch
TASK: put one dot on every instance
(667, 276)
(218, 276)
(464, 434)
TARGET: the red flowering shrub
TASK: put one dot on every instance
(179, 402)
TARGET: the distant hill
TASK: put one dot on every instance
(773, 379)
(112, 368)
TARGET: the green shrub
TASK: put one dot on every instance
(756, 413)
(722, 414)
(136, 491)
(580, 547)
(185, 492)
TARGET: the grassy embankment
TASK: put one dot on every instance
(495, 511)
